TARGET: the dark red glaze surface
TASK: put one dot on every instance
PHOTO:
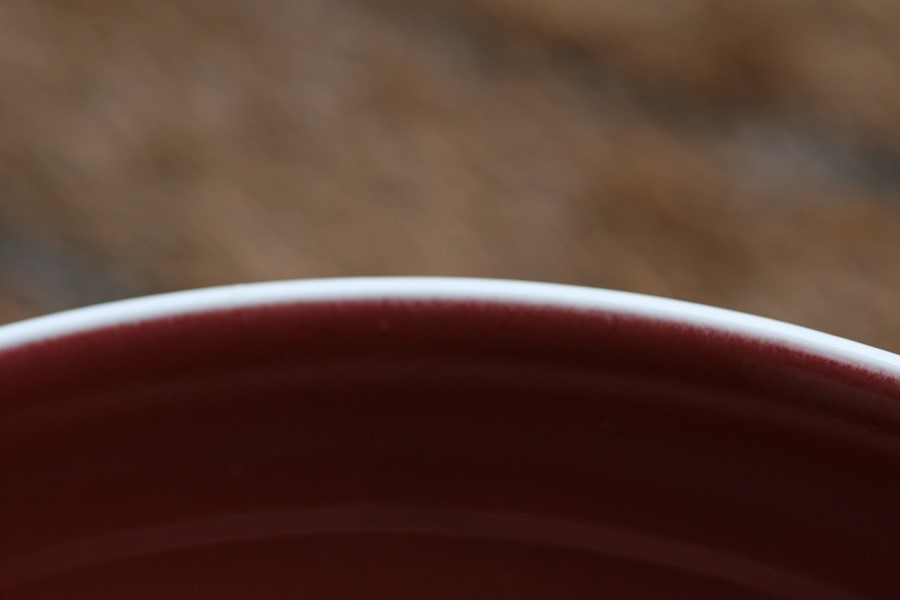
(442, 450)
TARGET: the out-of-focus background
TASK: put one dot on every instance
(741, 154)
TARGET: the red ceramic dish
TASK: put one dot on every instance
(439, 438)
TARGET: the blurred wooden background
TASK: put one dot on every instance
(745, 155)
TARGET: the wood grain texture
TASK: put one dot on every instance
(743, 156)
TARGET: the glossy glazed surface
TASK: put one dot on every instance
(442, 449)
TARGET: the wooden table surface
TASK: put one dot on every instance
(745, 155)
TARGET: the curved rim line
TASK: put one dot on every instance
(447, 288)
(368, 519)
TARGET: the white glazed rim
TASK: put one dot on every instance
(449, 288)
